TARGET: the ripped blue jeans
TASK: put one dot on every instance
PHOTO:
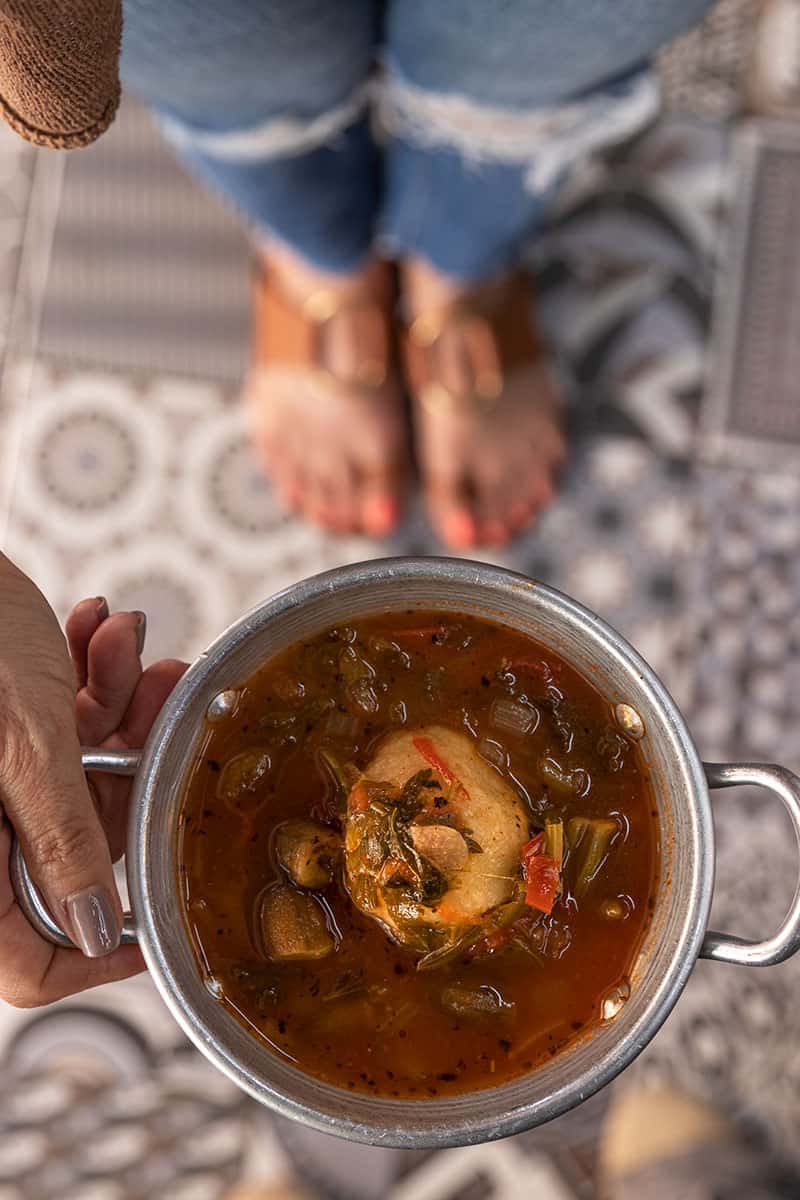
(438, 128)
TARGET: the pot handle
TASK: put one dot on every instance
(112, 762)
(725, 947)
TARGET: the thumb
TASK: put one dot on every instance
(47, 799)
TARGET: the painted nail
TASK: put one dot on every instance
(459, 529)
(141, 632)
(494, 533)
(381, 514)
(101, 607)
(94, 921)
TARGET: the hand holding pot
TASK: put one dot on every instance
(70, 829)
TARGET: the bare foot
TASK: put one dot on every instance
(326, 405)
(488, 467)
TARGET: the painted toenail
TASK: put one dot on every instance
(495, 532)
(459, 529)
(380, 514)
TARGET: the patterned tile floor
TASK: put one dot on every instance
(124, 469)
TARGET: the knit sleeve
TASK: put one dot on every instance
(59, 69)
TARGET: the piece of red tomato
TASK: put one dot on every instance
(542, 875)
(428, 751)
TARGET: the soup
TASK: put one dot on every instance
(418, 856)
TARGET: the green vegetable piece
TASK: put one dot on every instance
(574, 782)
(346, 985)
(554, 839)
(555, 775)
(337, 771)
(358, 675)
(592, 847)
(576, 828)
(449, 952)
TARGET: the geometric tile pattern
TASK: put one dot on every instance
(126, 471)
(147, 271)
(746, 617)
(751, 415)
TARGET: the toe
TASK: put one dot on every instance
(341, 501)
(283, 472)
(294, 482)
(458, 527)
(551, 449)
(518, 513)
(293, 485)
(522, 502)
(452, 514)
(529, 503)
(286, 485)
(543, 491)
(378, 505)
(316, 501)
(328, 495)
(492, 509)
(493, 532)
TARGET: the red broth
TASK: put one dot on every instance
(358, 1002)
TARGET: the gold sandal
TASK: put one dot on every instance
(291, 334)
(494, 327)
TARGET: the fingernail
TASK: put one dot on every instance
(94, 921)
(101, 608)
(141, 632)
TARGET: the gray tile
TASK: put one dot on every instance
(750, 413)
(148, 272)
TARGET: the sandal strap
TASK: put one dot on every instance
(297, 334)
(497, 336)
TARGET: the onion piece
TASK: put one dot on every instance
(339, 772)
(512, 716)
(573, 781)
(591, 839)
(493, 752)
(482, 1001)
(342, 725)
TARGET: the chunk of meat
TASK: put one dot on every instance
(469, 824)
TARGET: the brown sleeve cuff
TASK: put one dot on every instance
(59, 69)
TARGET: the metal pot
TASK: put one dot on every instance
(676, 937)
